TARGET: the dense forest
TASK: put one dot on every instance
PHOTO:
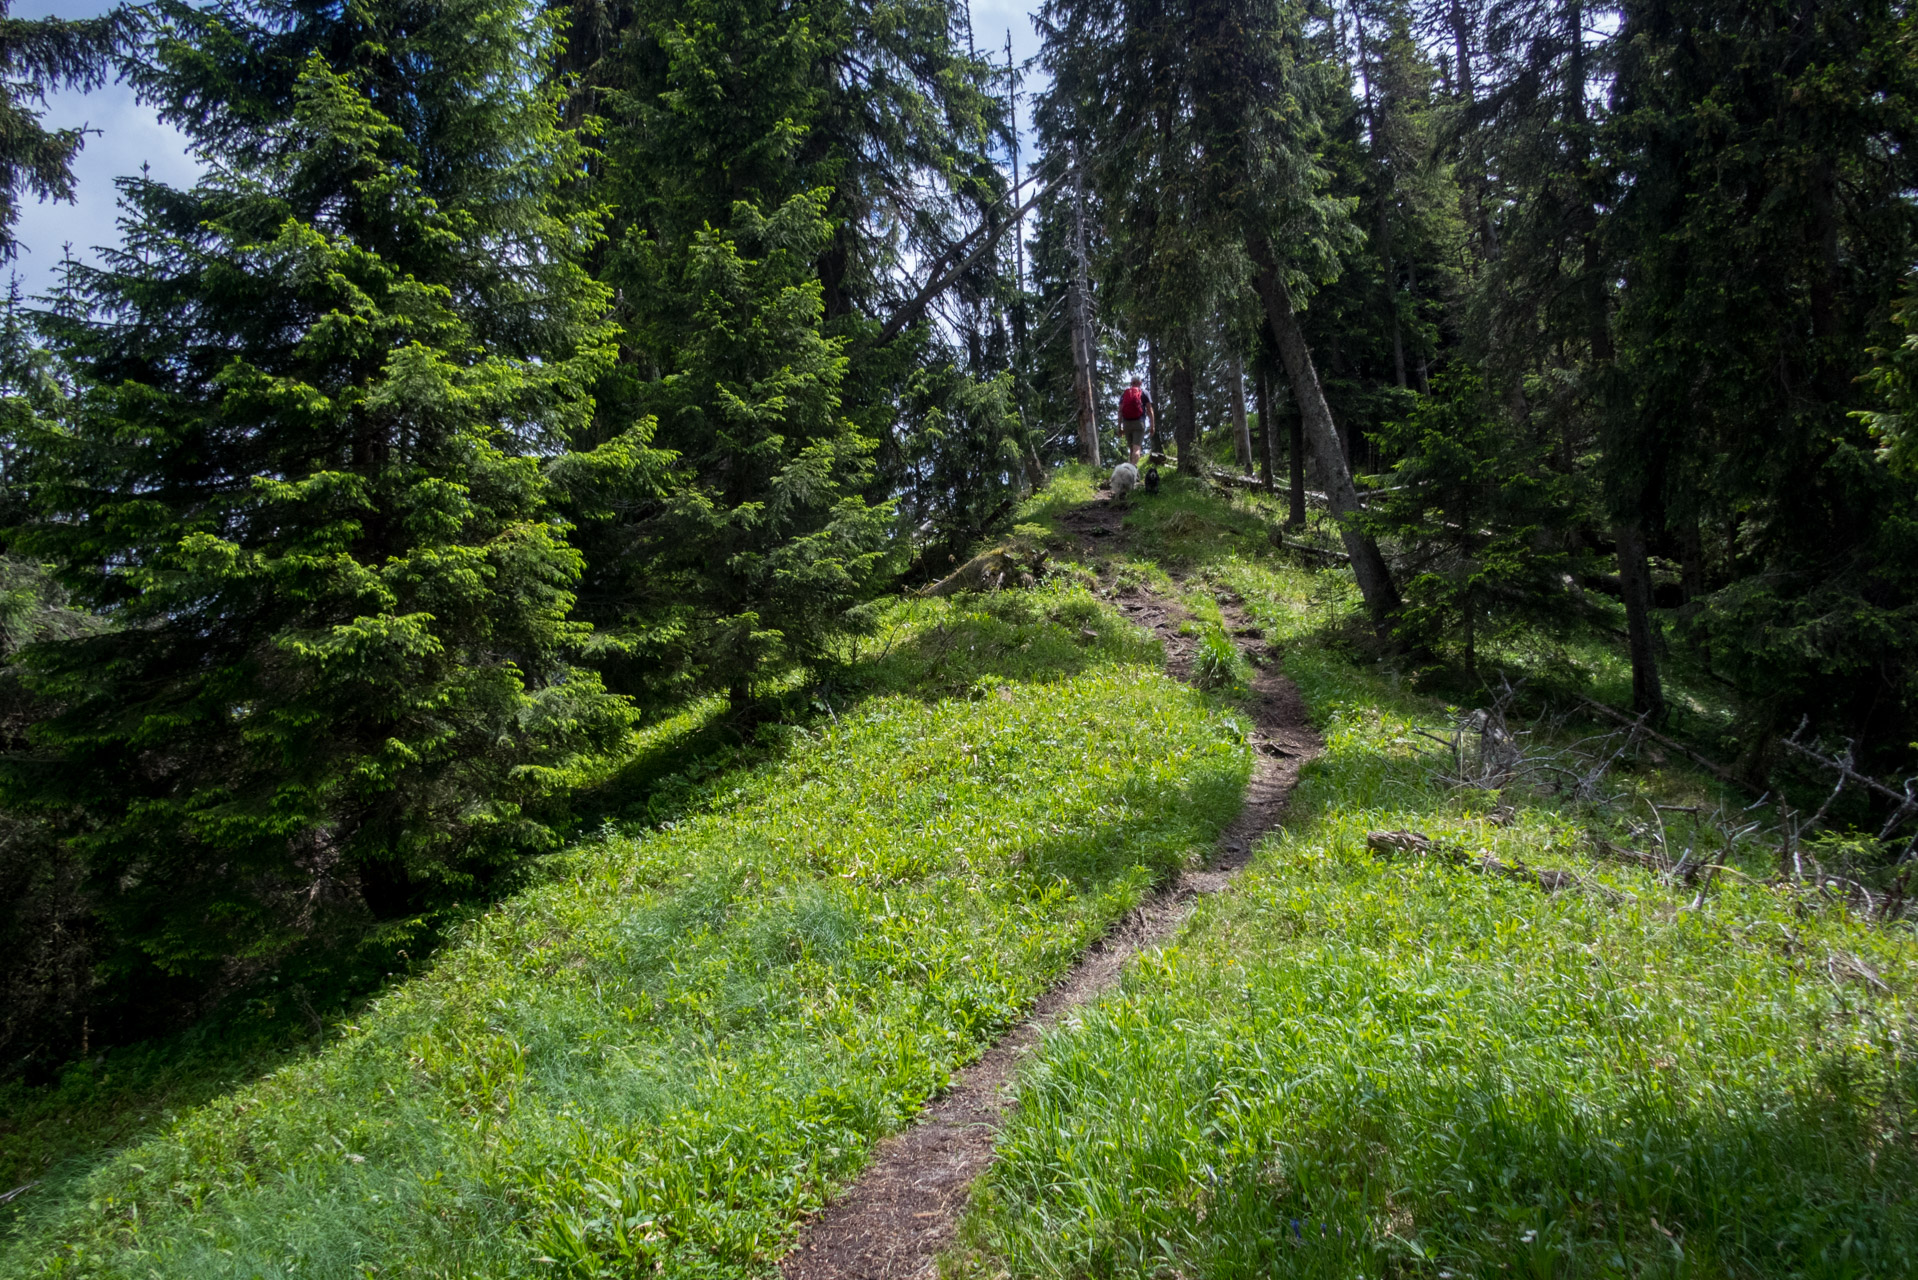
(516, 374)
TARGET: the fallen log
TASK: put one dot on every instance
(1280, 540)
(1012, 565)
(1389, 844)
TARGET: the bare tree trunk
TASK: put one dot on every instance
(1155, 443)
(1296, 479)
(1185, 417)
(1268, 429)
(1635, 577)
(1082, 324)
(1471, 636)
(1392, 298)
(1628, 528)
(1691, 558)
(1342, 496)
(1242, 442)
(1035, 470)
(1388, 278)
(1419, 369)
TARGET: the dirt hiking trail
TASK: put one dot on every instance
(902, 1211)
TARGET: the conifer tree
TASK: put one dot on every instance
(770, 541)
(1765, 155)
(302, 478)
(1204, 120)
(1476, 510)
(38, 55)
(774, 170)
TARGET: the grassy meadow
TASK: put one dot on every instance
(683, 1039)
(1354, 1066)
(689, 1032)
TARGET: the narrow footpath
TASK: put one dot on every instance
(894, 1220)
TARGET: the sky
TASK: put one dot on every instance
(131, 134)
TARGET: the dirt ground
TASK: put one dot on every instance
(902, 1211)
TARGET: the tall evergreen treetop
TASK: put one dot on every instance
(38, 55)
(773, 171)
(302, 474)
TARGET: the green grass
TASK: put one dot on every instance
(683, 1038)
(54, 1134)
(1352, 1067)
(681, 1041)
(1219, 664)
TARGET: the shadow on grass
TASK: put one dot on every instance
(944, 648)
(841, 977)
(931, 649)
(55, 1133)
(1482, 1179)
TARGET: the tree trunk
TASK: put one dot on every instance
(1420, 370)
(1388, 277)
(1185, 418)
(1635, 577)
(1088, 410)
(1471, 636)
(1342, 496)
(1082, 325)
(1268, 429)
(1035, 470)
(1082, 390)
(1628, 530)
(1296, 451)
(1155, 443)
(1691, 559)
(1242, 443)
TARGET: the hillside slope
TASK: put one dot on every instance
(1413, 1059)
(677, 1046)
(1400, 1058)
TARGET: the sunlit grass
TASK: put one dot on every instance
(1357, 1067)
(682, 1040)
(660, 1058)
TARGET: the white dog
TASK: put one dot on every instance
(1125, 478)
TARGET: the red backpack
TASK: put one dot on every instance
(1132, 404)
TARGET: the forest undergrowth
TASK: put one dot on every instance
(1407, 1057)
(678, 1044)
(1362, 1061)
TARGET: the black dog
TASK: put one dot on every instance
(1151, 479)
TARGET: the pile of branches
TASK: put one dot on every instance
(1692, 845)
(1485, 752)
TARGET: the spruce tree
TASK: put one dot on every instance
(1478, 514)
(1204, 122)
(770, 542)
(774, 171)
(303, 478)
(38, 55)
(1765, 155)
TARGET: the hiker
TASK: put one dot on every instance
(1135, 411)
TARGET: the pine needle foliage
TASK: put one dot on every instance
(37, 56)
(1480, 518)
(770, 541)
(302, 477)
